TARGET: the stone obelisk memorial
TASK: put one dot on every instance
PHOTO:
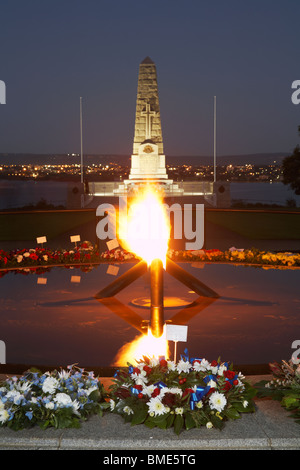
(148, 159)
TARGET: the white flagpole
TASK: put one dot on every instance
(215, 134)
(81, 153)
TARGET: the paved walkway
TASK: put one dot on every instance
(268, 428)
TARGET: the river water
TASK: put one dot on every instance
(16, 193)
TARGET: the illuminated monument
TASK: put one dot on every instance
(148, 162)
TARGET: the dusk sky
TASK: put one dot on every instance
(244, 52)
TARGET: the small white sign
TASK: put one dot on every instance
(75, 279)
(41, 240)
(112, 270)
(75, 238)
(112, 244)
(42, 280)
(176, 332)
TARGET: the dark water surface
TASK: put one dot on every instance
(255, 320)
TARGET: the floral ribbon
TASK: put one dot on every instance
(160, 385)
(186, 358)
(210, 377)
(196, 396)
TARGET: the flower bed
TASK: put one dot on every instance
(87, 254)
(59, 399)
(160, 393)
(239, 256)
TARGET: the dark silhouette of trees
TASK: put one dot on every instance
(291, 169)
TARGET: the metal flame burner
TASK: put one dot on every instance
(106, 295)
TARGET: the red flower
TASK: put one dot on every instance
(187, 391)
(155, 392)
(163, 364)
(169, 399)
(123, 392)
(227, 386)
(229, 374)
(138, 387)
(210, 391)
(147, 369)
(214, 363)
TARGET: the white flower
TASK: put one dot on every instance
(26, 254)
(15, 396)
(91, 389)
(112, 404)
(171, 365)
(222, 369)
(50, 405)
(50, 385)
(209, 425)
(23, 386)
(201, 366)
(199, 404)
(140, 379)
(127, 410)
(212, 383)
(148, 390)
(76, 406)
(156, 406)
(45, 257)
(245, 403)
(174, 390)
(178, 411)
(217, 401)
(19, 258)
(4, 415)
(62, 399)
(183, 366)
(153, 362)
(64, 374)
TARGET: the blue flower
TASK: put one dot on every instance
(29, 415)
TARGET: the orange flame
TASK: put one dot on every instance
(145, 345)
(145, 230)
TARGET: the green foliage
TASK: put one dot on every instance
(291, 170)
(284, 387)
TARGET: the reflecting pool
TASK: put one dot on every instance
(54, 319)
